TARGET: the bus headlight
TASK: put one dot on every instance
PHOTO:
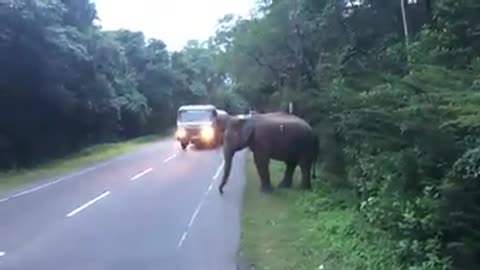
(207, 133)
(181, 133)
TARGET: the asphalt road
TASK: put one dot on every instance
(157, 208)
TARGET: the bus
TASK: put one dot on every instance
(201, 125)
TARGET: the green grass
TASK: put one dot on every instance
(292, 229)
(85, 157)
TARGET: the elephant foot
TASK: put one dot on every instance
(266, 189)
(285, 184)
(306, 186)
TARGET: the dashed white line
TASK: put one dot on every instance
(169, 158)
(141, 174)
(77, 210)
(197, 210)
(67, 177)
(58, 180)
(2, 253)
(70, 176)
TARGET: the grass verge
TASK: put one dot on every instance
(292, 229)
(85, 157)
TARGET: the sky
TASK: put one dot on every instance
(173, 21)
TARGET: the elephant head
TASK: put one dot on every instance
(238, 135)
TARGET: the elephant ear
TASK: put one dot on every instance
(247, 130)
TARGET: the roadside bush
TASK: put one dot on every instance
(394, 119)
(400, 144)
(460, 210)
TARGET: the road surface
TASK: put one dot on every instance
(157, 208)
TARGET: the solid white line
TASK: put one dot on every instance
(74, 212)
(38, 187)
(141, 174)
(2, 253)
(202, 201)
(169, 158)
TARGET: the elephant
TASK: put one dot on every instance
(275, 135)
(221, 121)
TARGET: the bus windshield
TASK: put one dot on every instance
(195, 116)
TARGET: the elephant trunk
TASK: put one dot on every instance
(228, 155)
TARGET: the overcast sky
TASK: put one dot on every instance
(173, 21)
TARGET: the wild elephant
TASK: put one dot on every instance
(277, 136)
(222, 120)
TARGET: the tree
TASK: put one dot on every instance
(382, 82)
(85, 85)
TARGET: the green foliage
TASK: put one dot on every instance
(459, 210)
(394, 120)
(295, 230)
(399, 125)
(66, 84)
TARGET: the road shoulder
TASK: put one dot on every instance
(292, 229)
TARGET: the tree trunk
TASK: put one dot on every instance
(428, 9)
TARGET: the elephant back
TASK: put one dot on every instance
(281, 118)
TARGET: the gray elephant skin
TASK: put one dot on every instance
(278, 136)
(222, 120)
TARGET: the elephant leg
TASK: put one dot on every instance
(287, 178)
(262, 162)
(306, 167)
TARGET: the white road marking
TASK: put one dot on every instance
(2, 253)
(67, 177)
(219, 170)
(195, 213)
(76, 211)
(202, 201)
(61, 179)
(169, 158)
(184, 236)
(141, 174)
(210, 187)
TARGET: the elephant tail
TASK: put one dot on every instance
(316, 151)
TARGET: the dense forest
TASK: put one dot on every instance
(392, 87)
(397, 109)
(66, 84)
